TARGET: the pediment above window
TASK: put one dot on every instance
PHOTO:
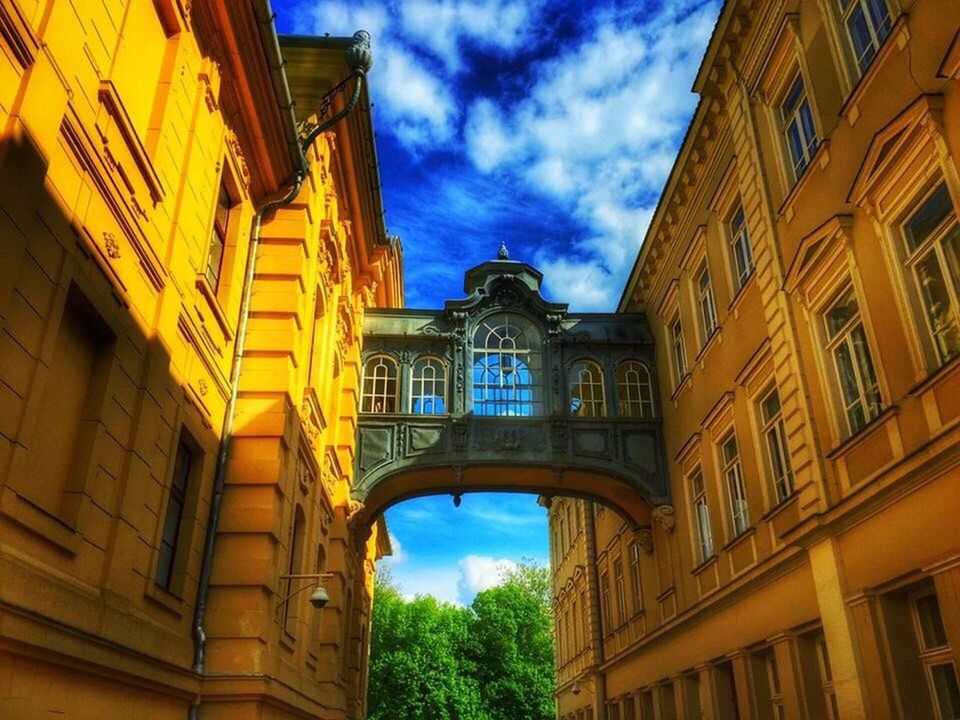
(818, 258)
(899, 154)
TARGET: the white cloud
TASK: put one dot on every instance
(443, 26)
(480, 572)
(598, 133)
(399, 555)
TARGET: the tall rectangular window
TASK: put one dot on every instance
(605, 602)
(740, 251)
(677, 348)
(853, 364)
(775, 439)
(773, 683)
(932, 241)
(826, 679)
(868, 23)
(635, 584)
(736, 488)
(576, 628)
(701, 517)
(936, 656)
(170, 539)
(621, 593)
(798, 129)
(708, 308)
(218, 238)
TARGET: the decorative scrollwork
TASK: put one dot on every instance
(663, 516)
(644, 538)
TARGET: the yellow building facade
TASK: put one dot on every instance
(802, 280)
(145, 148)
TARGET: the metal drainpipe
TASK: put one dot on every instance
(361, 63)
(596, 617)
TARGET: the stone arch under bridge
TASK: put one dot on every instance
(505, 391)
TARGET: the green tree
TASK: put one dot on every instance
(491, 661)
(512, 646)
(419, 669)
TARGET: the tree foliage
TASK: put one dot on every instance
(491, 661)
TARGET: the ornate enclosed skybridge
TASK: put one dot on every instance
(506, 391)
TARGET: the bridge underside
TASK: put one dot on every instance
(546, 481)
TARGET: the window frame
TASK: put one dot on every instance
(165, 580)
(933, 245)
(596, 403)
(642, 398)
(605, 608)
(932, 657)
(419, 382)
(620, 589)
(219, 235)
(487, 397)
(373, 395)
(678, 351)
(739, 234)
(636, 578)
(703, 542)
(860, 67)
(733, 479)
(841, 337)
(706, 302)
(796, 167)
(776, 426)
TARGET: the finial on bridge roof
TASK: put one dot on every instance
(503, 253)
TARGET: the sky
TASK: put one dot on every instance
(550, 125)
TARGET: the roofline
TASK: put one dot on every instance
(699, 87)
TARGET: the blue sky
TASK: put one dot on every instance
(548, 124)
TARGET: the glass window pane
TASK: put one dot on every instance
(807, 128)
(932, 632)
(948, 693)
(792, 98)
(841, 312)
(863, 48)
(938, 305)
(928, 217)
(880, 17)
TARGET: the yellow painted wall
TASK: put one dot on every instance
(870, 522)
(118, 123)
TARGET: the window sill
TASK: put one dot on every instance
(820, 159)
(742, 537)
(714, 339)
(211, 297)
(866, 431)
(899, 35)
(734, 307)
(792, 499)
(940, 374)
(49, 528)
(166, 599)
(684, 383)
(705, 565)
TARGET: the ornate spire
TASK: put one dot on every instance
(503, 253)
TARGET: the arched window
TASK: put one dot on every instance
(586, 390)
(507, 367)
(429, 396)
(294, 566)
(379, 385)
(634, 390)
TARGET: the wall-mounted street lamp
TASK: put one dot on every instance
(318, 599)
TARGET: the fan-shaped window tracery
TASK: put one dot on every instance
(507, 367)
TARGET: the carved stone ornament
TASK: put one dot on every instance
(663, 516)
(644, 538)
(370, 295)
(111, 245)
(559, 435)
(202, 387)
(459, 433)
(329, 473)
(354, 509)
(237, 149)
